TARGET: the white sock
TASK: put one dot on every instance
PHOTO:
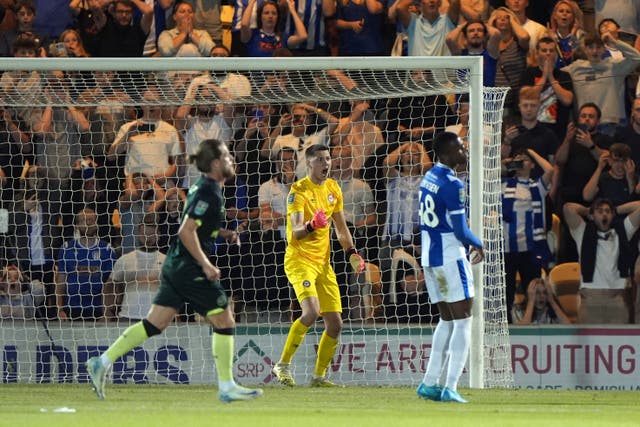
(225, 386)
(439, 344)
(458, 350)
(106, 362)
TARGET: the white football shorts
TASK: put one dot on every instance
(449, 283)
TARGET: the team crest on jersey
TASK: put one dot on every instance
(461, 195)
(306, 283)
(201, 207)
(331, 198)
(291, 198)
(221, 301)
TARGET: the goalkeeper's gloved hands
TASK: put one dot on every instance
(319, 220)
(356, 261)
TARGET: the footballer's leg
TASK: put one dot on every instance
(303, 280)
(98, 376)
(222, 348)
(430, 388)
(331, 309)
(136, 334)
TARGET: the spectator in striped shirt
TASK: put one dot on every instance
(523, 206)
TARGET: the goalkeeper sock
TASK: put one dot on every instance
(222, 346)
(326, 350)
(132, 336)
(458, 350)
(294, 339)
(439, 346)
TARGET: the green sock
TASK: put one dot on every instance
(295, 337)
(326, 350)
(131, 337)
(222, 346)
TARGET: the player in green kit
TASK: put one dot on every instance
(189, 276)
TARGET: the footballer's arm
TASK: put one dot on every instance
(189, 238)
(342, 230)
(298, 226)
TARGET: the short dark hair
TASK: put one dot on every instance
(599, 202)
(221, 46)
(444, 142)
(178, 4)
(620, 150)
(125, 3)
(545, 40)
(25, 43)
(25, 4)
(591, 105)
(605, 20)
(591, 39)
(150, 219)
(311, 151)
(474, 21)
(208, 151)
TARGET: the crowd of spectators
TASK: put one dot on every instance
(92, 195)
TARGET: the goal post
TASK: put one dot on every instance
(77, 115)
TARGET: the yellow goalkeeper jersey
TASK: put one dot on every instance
(307, 197)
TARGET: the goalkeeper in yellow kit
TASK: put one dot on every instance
(311, 203)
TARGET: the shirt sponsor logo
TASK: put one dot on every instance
(201, 207)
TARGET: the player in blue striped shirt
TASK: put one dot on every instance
(445, 238)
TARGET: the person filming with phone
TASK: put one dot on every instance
(523, 212)
(578, 155)
(576, 160)
(530, 133)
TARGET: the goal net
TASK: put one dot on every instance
(95, 175)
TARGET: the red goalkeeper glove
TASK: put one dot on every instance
(356, 261)
(319, 220)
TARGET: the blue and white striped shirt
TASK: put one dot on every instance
(442, 196)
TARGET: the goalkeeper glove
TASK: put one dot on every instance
(356, 261)
(319, 220)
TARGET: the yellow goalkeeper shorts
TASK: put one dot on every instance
(315, 281)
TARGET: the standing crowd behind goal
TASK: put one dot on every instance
(92, 195)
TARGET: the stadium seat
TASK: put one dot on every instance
(373, 301)
(398, 256)
(565, 283)
(115, 219)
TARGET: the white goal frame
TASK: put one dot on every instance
(478, 352)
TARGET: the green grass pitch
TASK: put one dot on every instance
(187, 406)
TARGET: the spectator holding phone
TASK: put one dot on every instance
(70, 44)
(523, 208)
(614, 178)
(201, 121)
(151, 145)
(360, 27)
(530, 133)
(25, 13)
(579, 153)
(576, 160)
